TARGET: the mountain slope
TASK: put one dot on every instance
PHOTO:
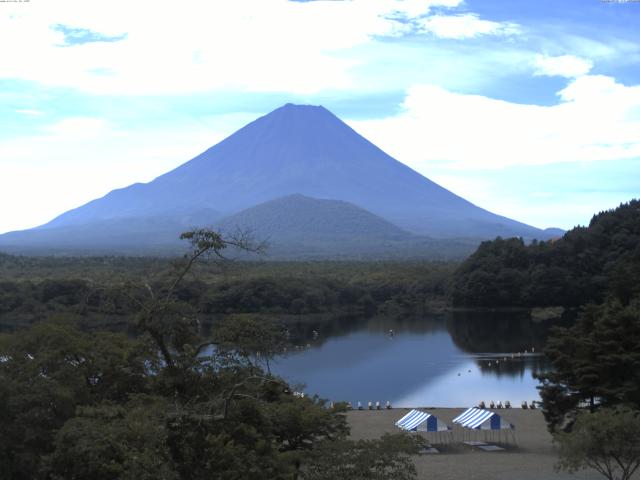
(307, 150)
(142, 235)
(297, 226)
(294, 149)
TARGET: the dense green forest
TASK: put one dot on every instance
(95, 289)
(581, 267)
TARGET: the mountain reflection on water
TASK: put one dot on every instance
(456, 359)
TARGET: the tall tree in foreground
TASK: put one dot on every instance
(595, 363)
(607, 441)
(385, 458)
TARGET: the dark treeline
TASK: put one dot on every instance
(95, 289)
(579, 268)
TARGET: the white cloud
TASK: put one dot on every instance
(596, 119)
(415, 8)
(466, 25)
(79, 128)
(197, 45)
(564, 66)
(29, 112)
(82, 158)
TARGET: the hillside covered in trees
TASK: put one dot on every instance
(581, 267)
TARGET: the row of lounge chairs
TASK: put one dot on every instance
(371, 406)
(507, 404)
(492, 405)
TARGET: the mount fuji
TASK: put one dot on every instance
(297, 152)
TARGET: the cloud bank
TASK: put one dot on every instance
(596, 119)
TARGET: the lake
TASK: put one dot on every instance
(452, 360)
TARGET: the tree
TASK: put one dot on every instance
(595, 362)
(125, 442)
(169, 322)
(607, 440)
(385, 458)
(253, 338)
(50, 371)
(583, 266)
(77, 404)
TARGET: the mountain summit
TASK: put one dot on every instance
(295, 149)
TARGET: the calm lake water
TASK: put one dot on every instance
(455, 360)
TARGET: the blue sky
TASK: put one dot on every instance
(530, 109)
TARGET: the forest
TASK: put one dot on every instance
(594, 272)
(78, 401)
(107, 358)
(582, 267)
(93, 289)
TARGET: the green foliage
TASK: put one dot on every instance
(607, 440)
(596, 361)
(94, 405)
(49, 372)
(386, 458)
(93, 290)
(78, 404)
(110, 441)
(579, 268)
(253, 338)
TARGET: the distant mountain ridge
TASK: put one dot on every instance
(296, 149)
(156, 234)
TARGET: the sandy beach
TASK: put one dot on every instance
(533, 457)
